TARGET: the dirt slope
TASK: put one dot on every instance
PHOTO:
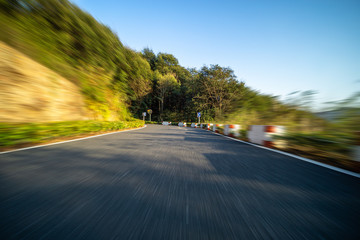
(30, 92)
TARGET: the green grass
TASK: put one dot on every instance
(152, 122)
(334, 148)
(28, 133)
(328, 142)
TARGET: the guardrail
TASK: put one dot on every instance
(274, 136)
(341, 149)
(265, 135)
(259, 134)
(217, 127)
(232, 130)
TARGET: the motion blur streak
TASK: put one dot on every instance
(165, 182)
(63, 74)
(58, 63)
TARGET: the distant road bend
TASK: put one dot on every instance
(166, 182)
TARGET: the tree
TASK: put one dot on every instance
(166, 63)
(165, 85)
(150, 56)
(217, 89)
(301, 99)
(139, 74)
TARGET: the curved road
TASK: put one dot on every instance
(165, 182)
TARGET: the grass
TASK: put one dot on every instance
(327, 142)
(152, 122)
(12, 135)
(335, 149)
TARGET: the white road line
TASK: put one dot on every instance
(73, 140)
(298, 157)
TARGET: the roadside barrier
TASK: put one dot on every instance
(181, 124)
(216, 127)
(260, 134)
(264, 135)
(232, 130)
(194, 125)
(208, 126)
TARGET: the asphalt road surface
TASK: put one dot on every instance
(166, 182)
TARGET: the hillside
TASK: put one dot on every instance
(70, 42)
(31, 92)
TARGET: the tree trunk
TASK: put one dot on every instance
(162, 108)
(159, 111)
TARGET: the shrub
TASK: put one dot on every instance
(15, 134)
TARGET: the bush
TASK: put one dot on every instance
(15, 134)
(243, 134)
(152, 122)
(334, 142)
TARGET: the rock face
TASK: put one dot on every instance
(30, 92)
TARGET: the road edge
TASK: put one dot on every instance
(347, 172)
(72, 140)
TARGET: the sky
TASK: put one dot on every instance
(275, 46)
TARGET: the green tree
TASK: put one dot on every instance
(217, 89)
(166, 84)
(150, 56)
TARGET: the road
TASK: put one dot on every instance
(166, 182)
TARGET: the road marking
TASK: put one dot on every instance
(72, 140)
(298, 157)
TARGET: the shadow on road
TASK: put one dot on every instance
(182, 184)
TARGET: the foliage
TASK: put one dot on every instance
(166, 84)
(15, 134)
(152, 122)
(347, 114)
(217, 89)
(71, 42)
(118, 82)
(301, 99)
(334, 148)
(334, 142)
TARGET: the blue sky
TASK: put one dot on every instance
(276, 47)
